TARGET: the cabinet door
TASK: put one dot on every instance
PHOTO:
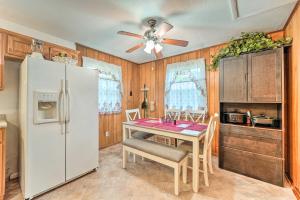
(2, 61)
(46, 51)
(233, 79)
(18, 47)
(54, 51)
(261, 167)
(264, 76)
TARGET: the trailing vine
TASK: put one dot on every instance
(248, 43)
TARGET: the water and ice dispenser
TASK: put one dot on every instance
(46, 107)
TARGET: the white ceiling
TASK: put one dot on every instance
(95, 22)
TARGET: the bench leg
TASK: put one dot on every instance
(184, 170)
(143, 158)
(176, 179)
(125, 156)
(134, 158)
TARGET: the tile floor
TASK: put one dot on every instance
(148, 180)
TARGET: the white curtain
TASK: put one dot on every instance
(110, 85)
(185, 86)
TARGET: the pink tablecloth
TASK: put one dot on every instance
(155, 123)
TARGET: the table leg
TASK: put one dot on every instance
(125, 133)
(196, 165)
(129, 133)
(130, 136)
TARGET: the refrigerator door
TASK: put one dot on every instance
(45, 143)
(82, 133)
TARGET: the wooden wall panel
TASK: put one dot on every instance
(112, 123)
(293, 121)
(148, 77)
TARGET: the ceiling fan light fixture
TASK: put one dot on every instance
(158, 47)
(152, 40)
(149, 46)
(148, 50)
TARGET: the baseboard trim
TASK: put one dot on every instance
(296, 192)
(294, 189)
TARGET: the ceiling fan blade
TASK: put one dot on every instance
(130, 34)
(158, 55)
(135, 47)
(163, 28)
(182, 43)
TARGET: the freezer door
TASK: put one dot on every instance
(82, 133)
(44, 144)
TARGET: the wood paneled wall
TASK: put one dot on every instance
(153, 75)
(130, 73)
(293, 30)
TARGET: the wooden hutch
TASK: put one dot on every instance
(254, 82)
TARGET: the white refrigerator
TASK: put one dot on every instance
(59, 124)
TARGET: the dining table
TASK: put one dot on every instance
(182, 130)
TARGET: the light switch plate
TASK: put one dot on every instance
(107, 134)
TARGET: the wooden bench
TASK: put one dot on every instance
(166, 155)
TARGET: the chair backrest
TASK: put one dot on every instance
(211, 129)
(173, 114)
(132, 114)
(197, 116)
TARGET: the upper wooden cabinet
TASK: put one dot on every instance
(255, 77)
(233, 79)
(18, 46)
(55, 51)
(2, 41)
(264, 70)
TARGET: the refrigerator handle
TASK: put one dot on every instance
(68, 102)
(62, 105)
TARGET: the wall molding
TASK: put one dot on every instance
(293, 187)
(296, 192)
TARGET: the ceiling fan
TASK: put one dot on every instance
(153, 38)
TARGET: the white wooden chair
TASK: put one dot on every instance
(197, 116)
(173, 114)
(131, 115)
(205, 147)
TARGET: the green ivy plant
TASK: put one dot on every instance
(248, 43)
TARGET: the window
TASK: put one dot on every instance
(185, 86)
(109, 85)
